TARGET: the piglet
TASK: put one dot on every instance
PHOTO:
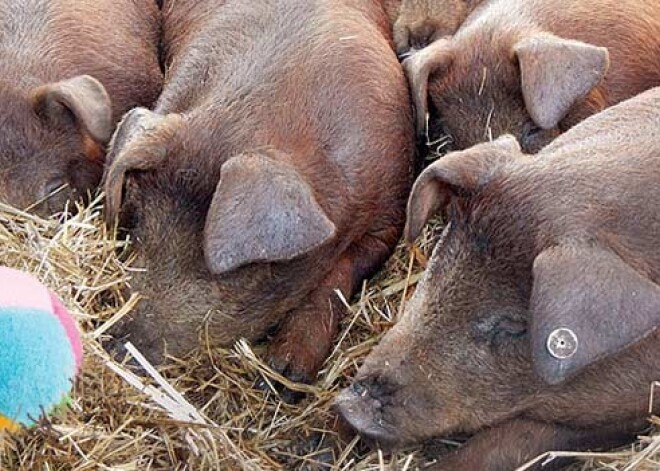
(272, 173)
(70, 70)
(534, 68)
(535, 327)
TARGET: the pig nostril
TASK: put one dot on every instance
(421, 36)
(367, 395)
(377, 405)
(359, 389)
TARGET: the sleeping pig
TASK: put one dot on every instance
(273, 171)
(70, 70)
(534, 327)
(534, 68)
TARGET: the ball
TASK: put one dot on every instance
(41, 350)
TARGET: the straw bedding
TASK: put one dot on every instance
(204, 412)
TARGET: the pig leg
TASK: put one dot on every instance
(514, 443)
(305, 339)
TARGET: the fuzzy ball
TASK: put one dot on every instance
(40, 347)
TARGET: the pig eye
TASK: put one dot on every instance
(499, 328)
(534, 138)
(530, 135)
(510, 327)
(56, 194)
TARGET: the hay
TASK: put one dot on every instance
(204, 411)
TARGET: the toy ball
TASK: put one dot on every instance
(40, 350)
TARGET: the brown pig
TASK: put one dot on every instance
(534, 68)
(534, 327)
(417, 23)
(273, 171)
(70, 70)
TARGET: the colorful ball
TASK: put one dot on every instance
(40, 350)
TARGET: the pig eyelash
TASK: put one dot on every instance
(512, 331)
(497, 328)
(530, 132)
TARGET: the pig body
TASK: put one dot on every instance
(272, 172)
(70, 70)
(535, 326)
(535, 68)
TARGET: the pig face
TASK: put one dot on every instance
(53, 144)
(458, 359)
(486, 83)
(496, 320)
(420, 22)
(220, 253)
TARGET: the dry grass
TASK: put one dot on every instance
(205, 413)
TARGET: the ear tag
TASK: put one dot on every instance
(562, 343)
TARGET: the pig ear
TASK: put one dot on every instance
(138, 144)
(435, 57)
(556, 73)
(587, 304)
(85, 98)
(457, 173)
(262, 211)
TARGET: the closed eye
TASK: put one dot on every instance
(534, 138)
(498, 327)
(510, 327)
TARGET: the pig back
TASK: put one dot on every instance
(604, 178)
(629, 29)
(116, 41)
(315, 79)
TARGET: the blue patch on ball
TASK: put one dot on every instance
(37, 363)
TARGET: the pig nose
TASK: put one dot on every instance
(421, 35)
(366, 392)
(358, 399)
(358, 388)
(363, 412)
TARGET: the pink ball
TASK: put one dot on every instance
(43, 350)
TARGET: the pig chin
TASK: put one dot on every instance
(365, 415)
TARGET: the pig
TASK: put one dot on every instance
(534, 327)
(273, 172)
(535, 68)
(70, 70)
(417, 23)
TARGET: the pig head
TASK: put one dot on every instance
(536, 319)
(224, 262)
(52, 143)
(253, 193)
(62, 91)
(534, 68)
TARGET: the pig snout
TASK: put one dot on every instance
(362, 406)
(144, 335)
(411, 38)
(421, 35)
